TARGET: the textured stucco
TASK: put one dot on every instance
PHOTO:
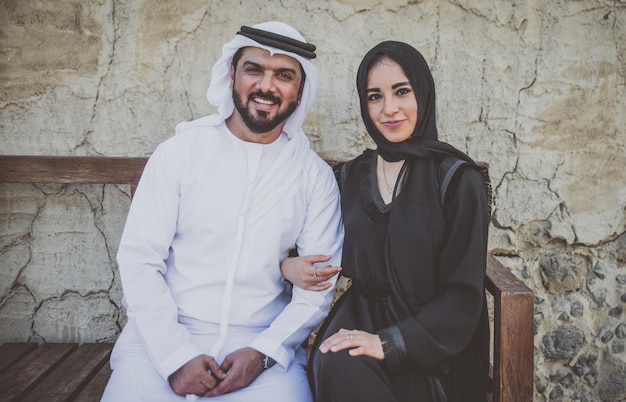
(535, 88)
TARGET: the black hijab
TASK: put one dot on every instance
(416, 226)
(423, 143)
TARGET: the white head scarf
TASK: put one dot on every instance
(287, 167)
(221, 96)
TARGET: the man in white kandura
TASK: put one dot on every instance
(218, 207)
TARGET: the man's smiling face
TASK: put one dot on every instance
(266, 89)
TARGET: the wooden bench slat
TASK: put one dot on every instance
(95, 387)
(27, 372)
(70, 376)
(13, 351)
(72, 169)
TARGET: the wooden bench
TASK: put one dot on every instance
(53, 371)
(79, 372)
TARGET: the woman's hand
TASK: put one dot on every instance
(301, 272)
(360, 343)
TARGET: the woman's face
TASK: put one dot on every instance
(391, 102)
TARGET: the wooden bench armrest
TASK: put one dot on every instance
(513, 334)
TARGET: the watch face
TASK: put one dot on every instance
(268, 362)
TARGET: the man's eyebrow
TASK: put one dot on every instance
(286, 70)
(280, 70)
(253, 64)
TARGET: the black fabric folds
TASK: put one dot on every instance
(417, 265)
(421, 151)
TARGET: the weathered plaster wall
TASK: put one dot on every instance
(535, 88)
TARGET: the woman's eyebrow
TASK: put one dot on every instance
(394, 86)
(400, 84)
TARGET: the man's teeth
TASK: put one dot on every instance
(263, 101)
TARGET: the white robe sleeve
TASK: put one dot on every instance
(322, 233)
(144, 247)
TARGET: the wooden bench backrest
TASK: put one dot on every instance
(513, 327)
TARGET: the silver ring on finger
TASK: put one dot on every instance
(314, 272)
(350, 336)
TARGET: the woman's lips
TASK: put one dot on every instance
(393, 123)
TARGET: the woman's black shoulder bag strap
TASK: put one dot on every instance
(449, 165)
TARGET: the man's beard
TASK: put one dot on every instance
(261, 123)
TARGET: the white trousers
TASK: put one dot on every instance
(135, 379)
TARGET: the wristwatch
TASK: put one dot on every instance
(268, 362)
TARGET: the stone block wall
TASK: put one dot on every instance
(537, 89)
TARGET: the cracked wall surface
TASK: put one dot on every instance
(537, 89)
(58, 276)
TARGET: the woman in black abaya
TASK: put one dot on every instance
(413, 325)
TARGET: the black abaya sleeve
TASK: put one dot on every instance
(444, 326)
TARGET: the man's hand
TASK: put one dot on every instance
(301, 272)
(198, 376)
(242, 367)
